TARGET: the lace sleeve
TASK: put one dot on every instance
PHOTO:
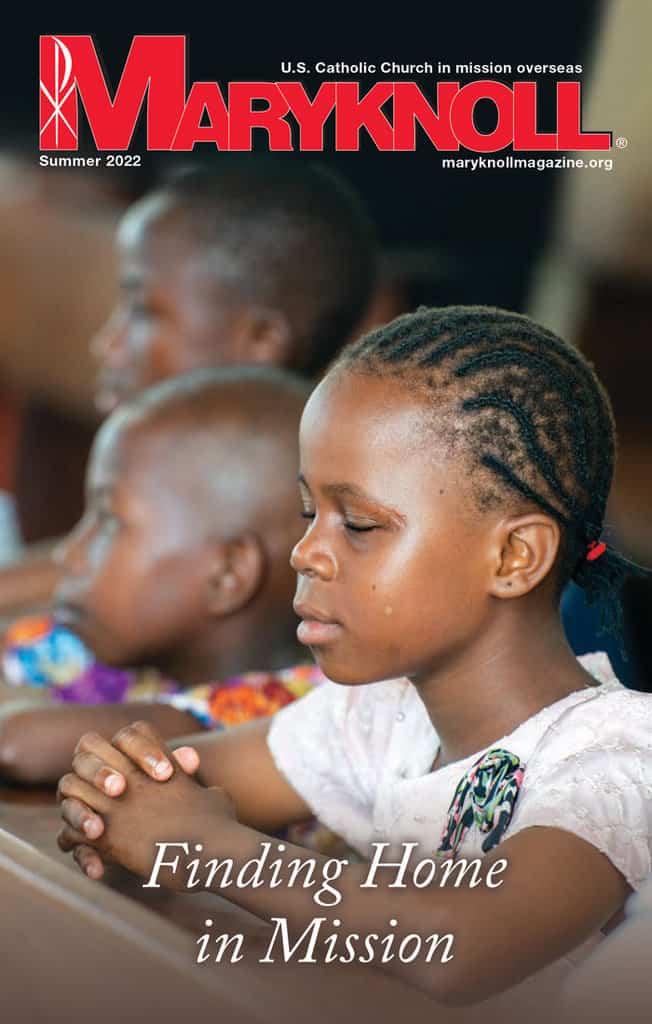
(603, 794)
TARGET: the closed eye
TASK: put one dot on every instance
(353, 527)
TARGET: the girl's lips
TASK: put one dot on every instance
(312, 632)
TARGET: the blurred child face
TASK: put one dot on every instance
(392, 567)
(134, 569)
(171, 316)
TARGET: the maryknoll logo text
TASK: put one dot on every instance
(155, 75)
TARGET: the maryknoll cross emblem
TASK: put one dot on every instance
(58, 102)
(71, 76)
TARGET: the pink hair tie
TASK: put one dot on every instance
(595, 549)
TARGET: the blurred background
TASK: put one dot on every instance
(573, 248)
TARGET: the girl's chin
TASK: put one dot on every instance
(344, 673)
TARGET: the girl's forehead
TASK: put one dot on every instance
(368, 410)
(365, 429)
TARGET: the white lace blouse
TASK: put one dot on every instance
(361, 756)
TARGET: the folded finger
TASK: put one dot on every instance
(187, 758)
(81, 818)
(94, 769)
(89, 861)
(71, 785)
(68, 838)
(93, 743)
(140, 742)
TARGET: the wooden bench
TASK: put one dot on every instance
(71, 949)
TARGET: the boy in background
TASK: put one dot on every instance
(259, 261)
(177, 574)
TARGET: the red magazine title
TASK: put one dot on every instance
(154, 75)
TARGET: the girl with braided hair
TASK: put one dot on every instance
(455, 468)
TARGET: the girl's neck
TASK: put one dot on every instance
(497, 684)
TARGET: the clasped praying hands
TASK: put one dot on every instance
(115, 809)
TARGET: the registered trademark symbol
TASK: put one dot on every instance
(622, 142)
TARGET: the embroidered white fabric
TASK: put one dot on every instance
(361, 758)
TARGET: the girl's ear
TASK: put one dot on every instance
(236, 576)
(526, 553)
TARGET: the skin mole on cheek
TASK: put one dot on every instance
(373, 586)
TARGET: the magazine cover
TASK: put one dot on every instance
(325, 494)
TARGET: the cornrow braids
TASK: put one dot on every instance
(529, 412)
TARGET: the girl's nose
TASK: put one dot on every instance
(312, 557)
